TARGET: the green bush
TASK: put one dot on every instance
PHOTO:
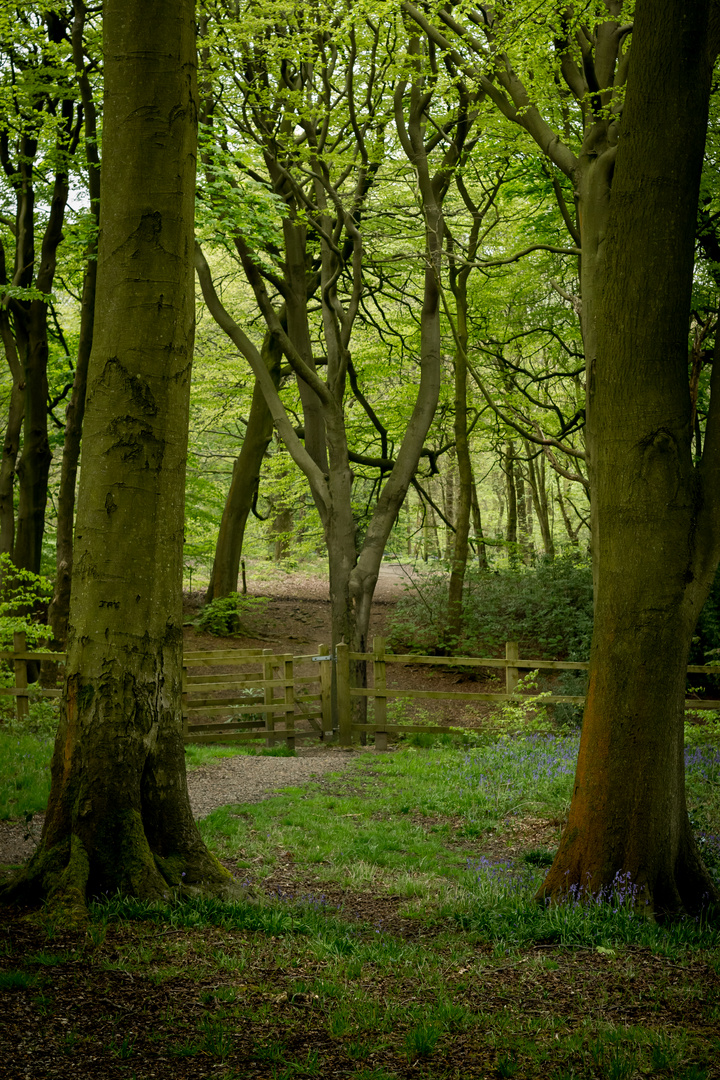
(225, 616)
(23, 596)
(547, 609)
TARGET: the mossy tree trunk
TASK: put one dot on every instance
(119, 816)
(657, 540)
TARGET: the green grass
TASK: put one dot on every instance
(24, 773)
(388, 931)
(406, 813)
(26, 753)
(199, 754)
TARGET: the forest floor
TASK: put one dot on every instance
(387, 929)
(386, 934)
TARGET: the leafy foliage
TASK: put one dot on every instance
(224, 616)
(547, 609)
(24, 595)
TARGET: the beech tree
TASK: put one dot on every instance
(321, 156)
(119, 815)
(654, 511)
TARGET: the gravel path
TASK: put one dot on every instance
(250, 779)
(241, 779)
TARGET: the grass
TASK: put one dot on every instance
(388, 931)
(24, 773)
(26, 752)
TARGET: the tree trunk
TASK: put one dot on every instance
(536, 475)
(448, 493)
(281, 527)
(34, 466)
(478, 526)
(298, 328)
(59, 609)
(11, 442)
(119, 815)
(465, 479)
(244, 485)
(657, 545)
(60, 605)
(511, 528)
(523, 509)
(573, 533)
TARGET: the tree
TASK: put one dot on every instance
(119, 815)
(38, 138)
(321, 158)
(244, 483)
(657, 511)
(653, 511)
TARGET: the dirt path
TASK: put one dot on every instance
(297, 612)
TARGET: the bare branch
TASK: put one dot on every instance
(280, 417)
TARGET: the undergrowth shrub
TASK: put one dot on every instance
(546, 608)
(228, 615)
(23, 600)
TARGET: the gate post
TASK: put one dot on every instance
(268, 695)
(289, 697)
(342, 653)
(380, 699)
(22, 705)
(512, 675)
(326, 692)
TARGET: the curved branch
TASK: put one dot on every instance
(521, 255)
(274, 325)
(243, 343)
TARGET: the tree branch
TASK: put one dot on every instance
(280, 417)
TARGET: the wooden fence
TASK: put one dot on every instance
(258, 694)
(241, 695)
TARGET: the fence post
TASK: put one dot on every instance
(289, 702)
(342, 653)
(268, 697)
(184, 703)
(380, 684)
(21, 681)
(326, 692)
(512, 675)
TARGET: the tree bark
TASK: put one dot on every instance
(536, 479)
(658, 541)
(511, 527)
(462, 449)
(11, 442)
(119, 815)
(524, 527)
(478, 526)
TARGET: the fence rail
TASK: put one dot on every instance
(269, 701)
